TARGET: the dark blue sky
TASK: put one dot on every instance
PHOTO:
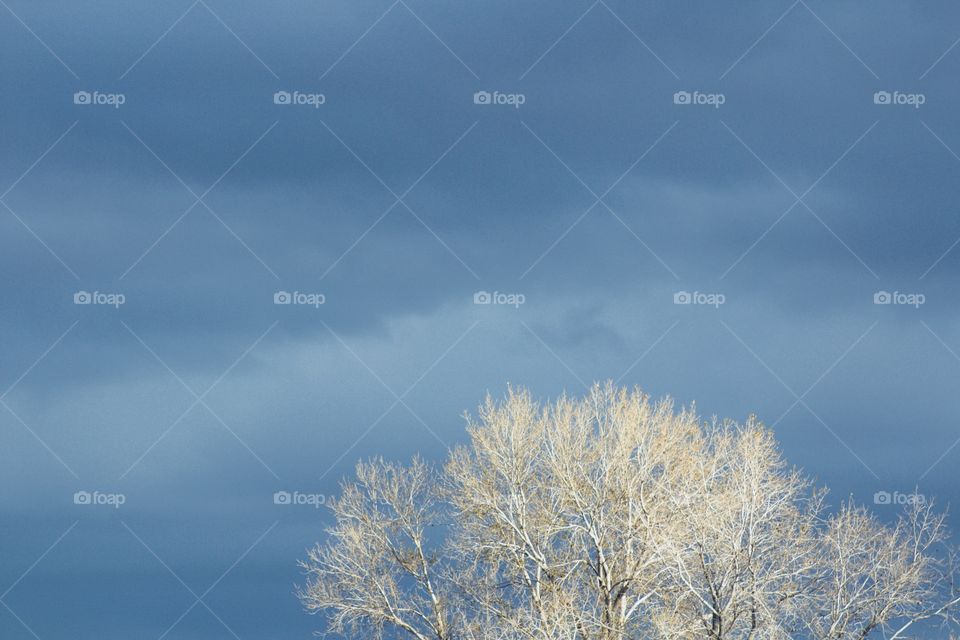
(597, 199)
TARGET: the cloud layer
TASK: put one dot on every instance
(817, 182)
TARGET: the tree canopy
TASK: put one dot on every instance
(611, 517)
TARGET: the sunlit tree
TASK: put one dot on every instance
(614, 517)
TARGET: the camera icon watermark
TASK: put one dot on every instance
(715, 100)
(314, 100)
(897, 498)
(99, 298)
(299, 298)
(296, 498)
(514, 100)
(699, 298)
(899, 298)
(83, 98)
(915, 100)
(96, 498)
(497, 298)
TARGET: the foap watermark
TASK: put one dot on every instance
(914, 100)
(299, 98)
(98, 98)
(714, 100)
(510, 99)
(897, 498)
(99, 297)
(498, 298)
(299, 298)
(99, 499)
(899, 298)
(296, 498)
(700, 298)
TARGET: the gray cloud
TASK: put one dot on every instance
(498, 211)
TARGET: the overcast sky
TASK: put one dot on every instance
(177, 166)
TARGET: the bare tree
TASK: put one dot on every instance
(882, 579)
(611, 517)
(378, 570)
